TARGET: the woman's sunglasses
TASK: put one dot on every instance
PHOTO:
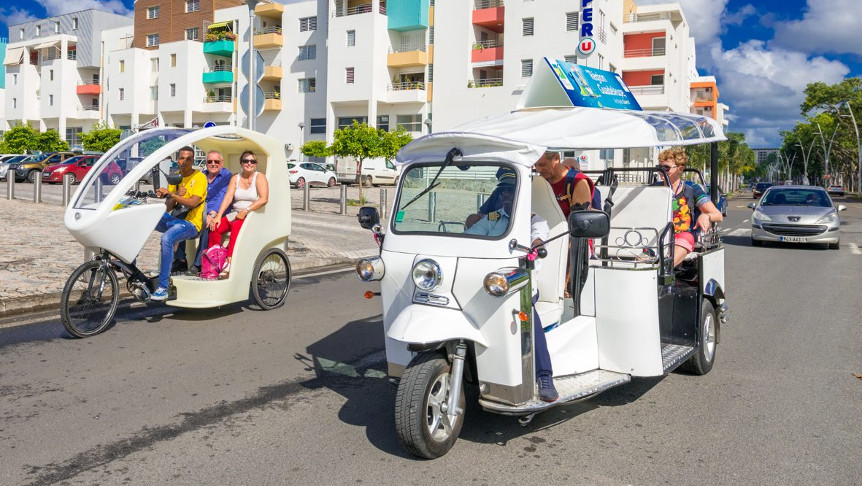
(249, 161)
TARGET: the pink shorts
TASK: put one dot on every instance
(685, 240)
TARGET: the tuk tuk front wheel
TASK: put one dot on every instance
(270, 279)
(703, 359)
(424, 428)
(89, 300)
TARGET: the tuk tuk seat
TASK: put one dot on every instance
(640, 214)
(552, 276)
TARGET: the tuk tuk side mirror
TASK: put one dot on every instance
(368, 217)
(589, 224)
(751, 205)
(174, 179)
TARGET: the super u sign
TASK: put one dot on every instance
(587, 45)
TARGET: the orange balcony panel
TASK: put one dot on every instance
(430, 50)
(429, 89)
(407, 59)
(272, 10)
(487, 54)
(272, 73)
(89, 89)
(490, 18)
(265, 41)
(271, 104)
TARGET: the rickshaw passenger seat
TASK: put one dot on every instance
(551, 278)
(645, 210)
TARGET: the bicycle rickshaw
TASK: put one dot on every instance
(457, 310)
(115, 221)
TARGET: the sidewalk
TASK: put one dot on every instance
(38, 254)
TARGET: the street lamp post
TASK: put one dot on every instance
(805, 161)
(301, 126)
(427, 123)
(825, 149)
(859, 148)
(251, 82)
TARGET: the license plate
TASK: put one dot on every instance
(793, 239)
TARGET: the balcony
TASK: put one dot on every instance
(488, 52)
(218, 75)
(88, 89)
(656, 51)
(485, 83)
(656, 89)
(272, 73)
(489, 14)
(222, 47)
(410, 58)
(269, 38)
(406, 92)
(648, 17)
(270, 10)
(341, 11)
(218, 104)
(272, 101)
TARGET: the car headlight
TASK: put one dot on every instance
(60, 170)
(760, 216)
(830, 218)
(427, 275)
(370, 269)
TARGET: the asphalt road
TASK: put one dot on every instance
(299, 395)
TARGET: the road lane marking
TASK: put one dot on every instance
(740, 232)
(854, 248)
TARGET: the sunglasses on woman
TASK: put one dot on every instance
(249, 161)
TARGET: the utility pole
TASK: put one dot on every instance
(251, 82)
(805, 160)
(859, 148)
(825, 149)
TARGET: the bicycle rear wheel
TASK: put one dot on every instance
(90, 299)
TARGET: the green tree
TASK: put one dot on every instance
(393, 141)
(50, 141)
(101, 137)
(361, 142)
(19, 139)
(316, 148)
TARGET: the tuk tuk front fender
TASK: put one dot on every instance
(424, 324)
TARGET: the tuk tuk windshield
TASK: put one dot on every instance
(470, 200)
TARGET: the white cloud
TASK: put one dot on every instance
(765, 86)
(16, 16)
(828, 26)
(738, 17)
(704, 17)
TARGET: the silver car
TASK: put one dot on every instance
(5, 160)
(796, 214)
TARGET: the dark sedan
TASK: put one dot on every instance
(760, 188)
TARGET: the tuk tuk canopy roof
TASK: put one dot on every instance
(522, 136)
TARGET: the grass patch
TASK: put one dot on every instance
(356, 202)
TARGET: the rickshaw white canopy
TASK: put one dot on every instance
(522, 136)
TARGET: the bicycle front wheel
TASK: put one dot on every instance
(90, 299)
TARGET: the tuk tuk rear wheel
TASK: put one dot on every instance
(703, 359)
(270, 280)
(90, 299)
(424, 429)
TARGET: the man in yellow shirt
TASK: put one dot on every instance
(189, 194)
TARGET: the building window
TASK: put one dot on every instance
(351, 38)
(349, 75)
(73, 136)
(75, 23)
(606, 154)
(193, 5)
(153, 12)
(56, 27)
(50, 100)
(154, 93)
(95, 79)
(21, 34)
(431, 35)
(307, 52)
(346, 121)
(656, 79)
(383, 123)
(411, 123)
(122, 94)
(122, 66)
(572, 21)
(38, 30)
(51, 74)
(601, 61)
(572, 59)
(152, 40)
(173, 60)
(15, 78)
(658, 46)
(527, 27)
(173, 89)
(612, 68)
(307, 23)
(154, 64)
(307, 85)
(192, 34)
(526, 68)
(317, 125)
(430, 73)
(14, 102)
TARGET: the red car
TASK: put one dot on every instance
(78, 168)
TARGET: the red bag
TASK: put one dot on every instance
(213, 261)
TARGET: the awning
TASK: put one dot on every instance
(48, 44)
(14, 56)
(220, 25)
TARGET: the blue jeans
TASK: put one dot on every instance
(543, 357)
(175, 230)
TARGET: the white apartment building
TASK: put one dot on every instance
(53, 72)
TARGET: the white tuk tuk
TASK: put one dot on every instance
(457, 310)
(115, 221)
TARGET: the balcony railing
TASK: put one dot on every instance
(273, 29)
(405, 86)
(485, 83)
(219, 68)
(634, 17)
(487, 44)
(647, 90)
(656, 51)
(271, 95)
(218, 99)
(357, 9)
(480, 4)
(703, 98)
(408, 47)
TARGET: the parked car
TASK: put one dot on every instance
(722, 200)
(760, 188)
(29, 168)
(374, 171)
(796, 214)
(835, 190)
(7, 161)
(302, 173)
(78, 167)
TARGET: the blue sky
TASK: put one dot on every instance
(762, 52)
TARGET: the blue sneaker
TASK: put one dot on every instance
(160, 295)
(547, 391)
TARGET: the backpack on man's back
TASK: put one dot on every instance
(572, 176)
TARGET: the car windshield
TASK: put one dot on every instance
(442, 206)
(796, 197)
(75, 159)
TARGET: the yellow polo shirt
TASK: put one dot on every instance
(196, 185)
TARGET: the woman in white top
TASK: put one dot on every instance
(248, 191)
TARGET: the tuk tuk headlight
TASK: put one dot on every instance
(496, 284)
(427, 275)
(370, 269)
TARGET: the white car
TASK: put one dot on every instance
(302, 173)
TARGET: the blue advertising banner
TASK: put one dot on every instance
(597, 88)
